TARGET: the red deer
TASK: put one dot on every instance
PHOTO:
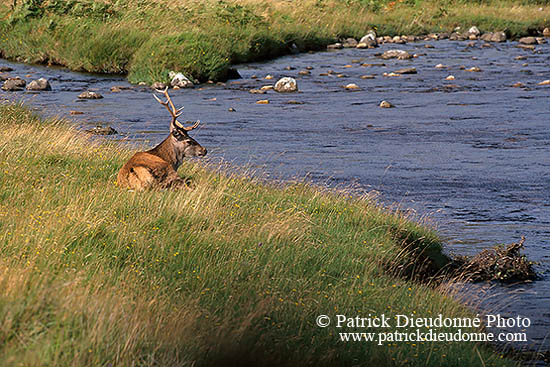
(157, 168)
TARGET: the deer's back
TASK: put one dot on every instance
(144, 170)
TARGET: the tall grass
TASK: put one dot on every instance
(147, 39)
(232, 271)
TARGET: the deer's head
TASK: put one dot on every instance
(185, 145)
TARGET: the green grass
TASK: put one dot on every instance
(147, 39)
(233, 270)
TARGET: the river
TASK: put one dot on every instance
(471, 154)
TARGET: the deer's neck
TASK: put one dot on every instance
(168, 150)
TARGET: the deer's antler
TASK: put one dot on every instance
(175, 113)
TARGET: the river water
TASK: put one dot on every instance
(473, 154)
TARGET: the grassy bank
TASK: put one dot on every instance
(147, 39)
(234, 270)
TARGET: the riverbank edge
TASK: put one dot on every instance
(123, 47)
(42, 258)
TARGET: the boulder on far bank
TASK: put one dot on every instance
(349, 43)
(368, 40)
(179, 80)
(455, 36)
(528, 40)
(398, 40)
(335, 46)
(498, 37)
(158, 86)
(474, 31)
(39, 85)
(493, 37)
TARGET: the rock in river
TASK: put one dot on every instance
(257, 91)
(526, 47)
(14, 84)
(386, 104)
(89, 95)
(39, 84)
(406, 71)
(286, 85)
(102, 130)
(396, 54)
(352, 86)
